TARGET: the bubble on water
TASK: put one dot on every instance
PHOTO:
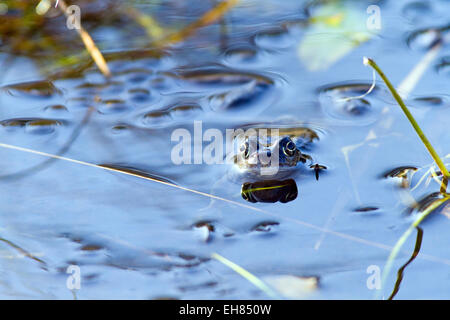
(242, 96)
(443, 67)
(166, 115)
(79, 102)
(399, 172)
(34, 89)
(425, 38)
(160, 83)
(240, 55)
(139, 95)
(367, 210)
(135, 75)
(57, 108)
(265, 226)
(277, 38)
(219, 75)
(91, 247)
(425, 202)
(32, 125)
(184, 110)
(156, 118)
(429, 101)
(416, 10)
(41, 126)
(91, 88)
(361, 111)
(120, 128)
(113, 106)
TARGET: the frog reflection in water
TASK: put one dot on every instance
(267, 160)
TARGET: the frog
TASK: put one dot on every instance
(244, 180)
(273, 157)
(262, 157)
(264, 164)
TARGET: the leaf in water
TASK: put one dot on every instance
(335, 30)
(293, 287)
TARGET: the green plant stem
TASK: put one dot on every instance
(410, 117)
(436, 204)
(247, 275)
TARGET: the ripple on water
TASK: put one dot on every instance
(429, 101)
(226, 89)
(56, 109)
(184, 110)
(139, 95)
(114, 254)
(402, 175)
(265, 226)
(423, 39)
(113, 106)
(425, 202)
(32, 125)
(33, 89)
(443, 67)
(416, 10)
(356, 111)
(276, 38)
(120, 129)
(166, 115)
(240, 55)
(209, 230)
(240, 97)
(91, 88)
(218, 75)
(367, 210)
(135, 75)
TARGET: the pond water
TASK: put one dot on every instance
(266, 64)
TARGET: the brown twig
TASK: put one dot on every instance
(88, 43)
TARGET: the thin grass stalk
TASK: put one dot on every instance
(401, 241)
(247, 275)
(89, 43)
(410, 117)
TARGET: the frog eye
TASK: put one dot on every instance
(245, 149)
(289, 148)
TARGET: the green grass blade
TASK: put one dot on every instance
(387, 268)
(410, 117)
(247, 275)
